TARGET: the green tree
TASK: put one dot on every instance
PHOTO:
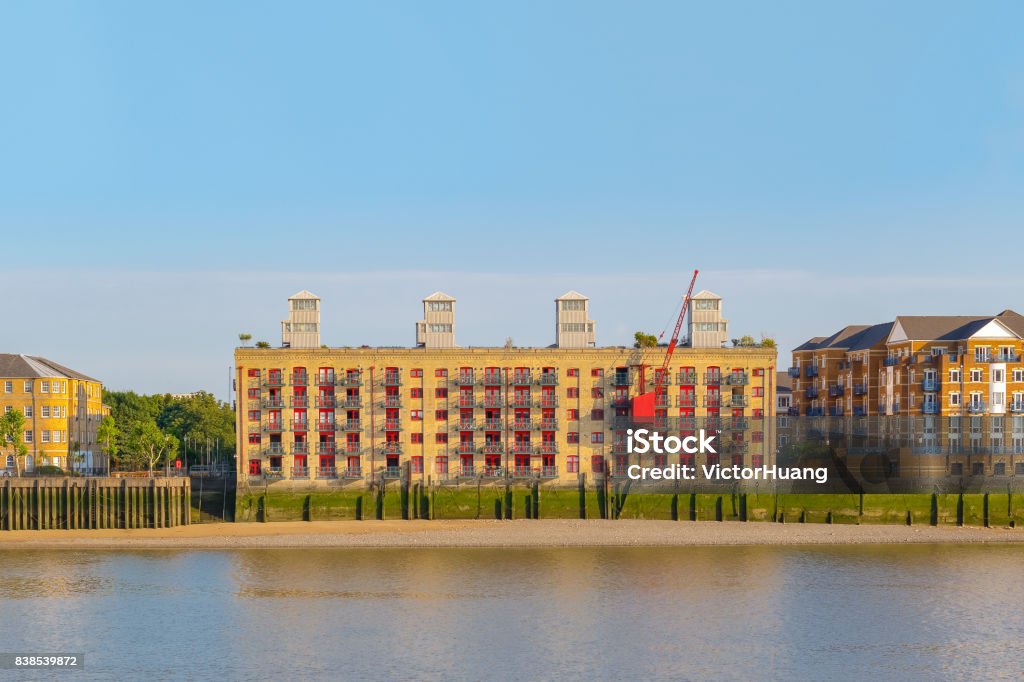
(746, 341)
(109, 436)
(12, 434)
(262, 344)
(767, 342)
(245, 338)
(201, 417)
(643, 340)
(145, 445)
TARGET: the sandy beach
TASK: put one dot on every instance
(552, 533)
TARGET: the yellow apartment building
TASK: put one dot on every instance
(62, 409)
(444, 413)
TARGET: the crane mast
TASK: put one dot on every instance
(675, 333)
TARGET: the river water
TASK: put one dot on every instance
(882, 612)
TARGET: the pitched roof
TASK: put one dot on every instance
(439, 296)
(874, 335)
(572, 295)
(783, 382)
(18, 366)
(303, 294)
(810, 344)
(928, 327)
(1013, 320)
(704, 293)
(842, 338)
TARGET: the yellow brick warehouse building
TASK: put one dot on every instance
(62, 409)
(337, 415)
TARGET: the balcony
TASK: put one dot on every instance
(465, 425)
(815, 412)
(326, 472)
(493, 448)
(836, 391)
(522, 449)
(548, 401)
(274, 380)
(548, 424)
(464, 380)
(737, 379)
(299, 449)
(794, 412)
(794, 372)
(522, 379)
(392, 473)
(273, 427)
(620, 401)
(930, 408)
(548, 448)
(272, 403)
(712, 423)
(621, 379)
(998, 357)
(737, 424)
(662, 400)
(300, 472)
(352, 449)
(353, 472)
(621, 422)
(392, 401)
(661, 423)
(522, 401)
(713, 401)
(273, 449)
(275, 472)
(491, 425)
(350, 402)
(493, 379)
(687, 423)
(521, 425)
(687, 400)
(392, 448)
(977, 407)
(355, 379)
(930, 385)
(686, 378)
(493, 401)
(549, 472)
(811, 393)
(351, 425)
(300, 426)
(467, 471)
(298, 401)
(467, 401)
(300, 380)
(392, 425)
(1017, 407)
(810, 371)
(522, 472)
(890, 362)
(739, 401)
(492, 471)
(325, 380)
(548, 379)
(860, 389)
(392, 379)
(465, 448)
(860, 411)
(326, 401)
(325, 425)
(326, 448)
(712, 378)
(835, 412)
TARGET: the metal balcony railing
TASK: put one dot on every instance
(661, 400)
(548, 448)
(352, 449)
(392, 472)
(686, 378)
(467, 471)
(492, 379)
(739, 401)
(548, 424)
(549, 472)
(737, 378)
(467, 401)
(273, 427)
(300, 448)
(493, 401)
(1016, 407)
(274, 380)
(325, 425)
(392, 401)
(522, 379)
(326, 401)
(548, 379)
(392, 425)
(930, 408)
(392, 379)
(977, 407)
(325, 380)
(687, 423)
(712, 378)
(890, 361)
(464, 380)
(835, 412)
(815, 412)
(794, 412)
(712, 401)
(300, 380)
(930, 385)
(522, 472)
(273, 449)
(300, 426)
(737, 424)
(522, 401)
(621, 380)
(392, 448)
(794, 372)
(492, 471)
(493, 448)
(620, 422)
(273, 403)
(350, 425)
(548, 401)
(298, 401)
(860, 389)
(326, 472)
(353, 472)
(860, 411)
(300, 472)
(352, 380)
(521, 425)
(492, 425)
(522, 449)
(354, 402)
(836, 391)
(810, 371)
(465, 449)
(811, 393)
(326, 449)
(687, 400)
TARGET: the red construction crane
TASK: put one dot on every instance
(679, 325)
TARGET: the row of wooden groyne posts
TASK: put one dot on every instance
(94, 503)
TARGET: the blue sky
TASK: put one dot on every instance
(171, 172)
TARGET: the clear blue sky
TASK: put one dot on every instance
(171, 172)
